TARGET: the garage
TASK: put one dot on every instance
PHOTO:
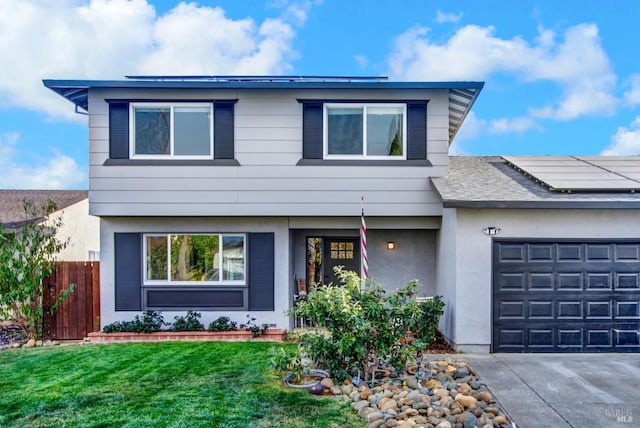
(566, 296)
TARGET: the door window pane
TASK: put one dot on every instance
(345, 131)
(191, 131)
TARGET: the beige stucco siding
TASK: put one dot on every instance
(80, 230)
(468, 317)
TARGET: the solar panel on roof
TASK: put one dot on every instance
(582, 174)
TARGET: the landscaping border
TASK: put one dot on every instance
(272, 334)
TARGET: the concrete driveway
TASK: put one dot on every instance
(564, 390)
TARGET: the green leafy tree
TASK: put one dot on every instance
(27, 256)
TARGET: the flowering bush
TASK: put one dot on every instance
(362, 325)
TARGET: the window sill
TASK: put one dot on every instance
(363, 162)
(171, 162)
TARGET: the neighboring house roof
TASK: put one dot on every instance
(12, 213)
(490, 182)
(462, 95)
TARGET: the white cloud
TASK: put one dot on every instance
(577, 64)
(626, 141)
(632, 95)
(107, 39)
(57, 172)
(443, 17)
(518, 124)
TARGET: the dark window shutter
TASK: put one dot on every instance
(312, 117)
(261, 271)
(119, 130)
(223, 137)
(128, 271)
(417, 130)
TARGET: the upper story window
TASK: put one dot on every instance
(194, 259)
(182, 130)
(176, 131)
(354, 131)
(364, 132)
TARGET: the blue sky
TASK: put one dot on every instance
(561, 77)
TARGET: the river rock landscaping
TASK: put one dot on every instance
(443, 394)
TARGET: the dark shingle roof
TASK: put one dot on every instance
(12, 213)
(490, 182)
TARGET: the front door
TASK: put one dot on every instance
(340, 252)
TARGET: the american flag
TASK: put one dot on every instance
(364, 261)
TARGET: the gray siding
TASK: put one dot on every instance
(268, 144)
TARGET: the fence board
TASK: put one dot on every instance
(79, 314)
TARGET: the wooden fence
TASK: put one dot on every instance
(79, 314)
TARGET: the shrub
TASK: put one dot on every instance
(365, 326)
(251, 325)
(151, 321)
(223, 324)
(190, 322)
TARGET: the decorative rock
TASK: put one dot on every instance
(412, 382)
(374, 416)
(485, 396)
(316, 389)
(492, 410)
(327, 382)
(365, 411)
(391, 423)
(500, 420)
(390, 404)
(360, 404)
(475, 384)
(347, 389)
(444, 424)
(420, 420)
(336, 391)
(31, 343)
(461, 372)
(376, 424)
(466, 400)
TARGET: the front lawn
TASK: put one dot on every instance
(175, 384)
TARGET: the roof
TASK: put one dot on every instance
(491, 182)
(462, 95)
(12, 213)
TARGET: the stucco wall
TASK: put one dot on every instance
(81, 229)
(473, 272)
(413, 258)
(111, 225)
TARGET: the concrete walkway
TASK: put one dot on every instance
(563, 390)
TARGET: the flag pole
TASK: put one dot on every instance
(364, 261)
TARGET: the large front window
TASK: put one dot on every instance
(355, 131)
(194, 259)
(181, 130)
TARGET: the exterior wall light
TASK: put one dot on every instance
(391, 245)
(491, 230)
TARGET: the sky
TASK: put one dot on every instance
(561, 77)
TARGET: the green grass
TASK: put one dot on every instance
(178, 384)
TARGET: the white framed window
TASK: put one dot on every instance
(181, 130)
(357, 131)
(194, 259)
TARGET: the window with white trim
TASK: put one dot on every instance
(181, 130)
(356, 131)
(193, 259)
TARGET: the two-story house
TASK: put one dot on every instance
(217, 193)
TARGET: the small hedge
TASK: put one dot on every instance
(153, 321)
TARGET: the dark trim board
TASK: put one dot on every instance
(565, 295)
